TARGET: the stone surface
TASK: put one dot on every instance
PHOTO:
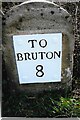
(35, 18)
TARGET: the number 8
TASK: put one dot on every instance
(39, 72)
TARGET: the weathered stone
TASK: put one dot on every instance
(39, 17)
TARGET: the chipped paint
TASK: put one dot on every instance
(68, 72)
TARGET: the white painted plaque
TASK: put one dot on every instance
(38, 57)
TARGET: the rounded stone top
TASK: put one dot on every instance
(37, 9)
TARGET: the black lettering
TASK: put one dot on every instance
(57, 53)
(27, 56)
(49, 55)
(39, 72)
(43, 43)
(19, 57)
(41, 53)
(32, 42)
(34, 56)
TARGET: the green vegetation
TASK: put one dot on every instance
(68, 107)
(44, 104)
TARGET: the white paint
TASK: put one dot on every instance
(68, 71)
(27, 68)
(2, 12)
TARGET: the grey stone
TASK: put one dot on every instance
(39, 17)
